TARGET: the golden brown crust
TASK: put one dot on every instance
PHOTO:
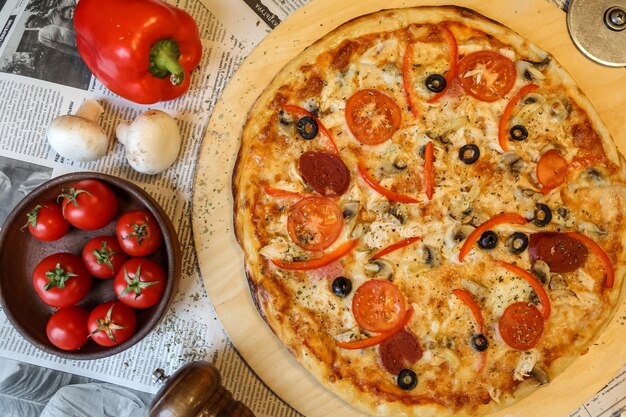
(300, 307)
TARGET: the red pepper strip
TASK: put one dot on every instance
(400, 198)
(300, 112)
(534, 283)
(429, 170)
(407, 80)
(453, 61)
(504, 218)
(377, 339)
(508, 111)
(469, 301)
(324, 260)
(597, 249)
(395, 246)
(278, 193)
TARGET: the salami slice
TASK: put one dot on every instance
(325, 173)
(561, 252)
(399, 351)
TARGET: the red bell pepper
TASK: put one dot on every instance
(142, 50)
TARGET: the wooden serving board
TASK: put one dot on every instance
(221, 260)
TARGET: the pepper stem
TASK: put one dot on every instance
(164, 57)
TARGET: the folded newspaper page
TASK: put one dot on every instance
(42, 77)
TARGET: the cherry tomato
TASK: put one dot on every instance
(378, 305)
(372, 116)
(103, 256)
(487, 75)
(89, 204)
(521, 325)
(551, 169)
(138, 233)
(140, 283)
(61, 280)
(314, 223)
(46, 222)
(111, 323)
(67, 328)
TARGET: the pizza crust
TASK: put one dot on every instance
(274, 301)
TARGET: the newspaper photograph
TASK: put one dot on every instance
(42, 76)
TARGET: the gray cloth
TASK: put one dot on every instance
(97, 400)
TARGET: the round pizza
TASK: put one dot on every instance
(431, 212)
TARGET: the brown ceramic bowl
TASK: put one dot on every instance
(20, 253)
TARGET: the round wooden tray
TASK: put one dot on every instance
(221, 260)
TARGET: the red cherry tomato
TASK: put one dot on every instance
(487, 75)
(140, 283)
(46, 222)
(103, 256)
(67, 328)
(89, 204)
(138, 233)
(314, 223)
(111, 323)
(61, 280)
(378, 305)
(372, 116)
(521, 325)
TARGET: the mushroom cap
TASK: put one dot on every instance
(152, 141)
(77, 138)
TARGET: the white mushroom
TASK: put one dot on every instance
(152, 141)
(79, 137)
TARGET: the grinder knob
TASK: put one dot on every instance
(195, 390)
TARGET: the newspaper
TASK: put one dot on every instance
(38, 83)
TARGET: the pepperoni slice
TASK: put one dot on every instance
(561, 252)
(521, 326)
(325, 173)
(399, 352)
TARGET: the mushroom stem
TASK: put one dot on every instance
(90, 110)
(121, 131)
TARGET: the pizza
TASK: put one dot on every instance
(431, 213)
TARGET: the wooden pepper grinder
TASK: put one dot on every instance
(195, 390)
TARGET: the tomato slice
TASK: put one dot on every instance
(487, 75)
(372, 116)
(521, 326)
(551, 170)
(378, 305)
(314, 223)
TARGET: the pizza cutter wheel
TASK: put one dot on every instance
(598, 29)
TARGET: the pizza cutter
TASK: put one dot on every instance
(598, 29)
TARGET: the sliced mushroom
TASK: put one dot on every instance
(594, 176)
(529, 70)
(540, 375)
(541, 270)
(351, 209)
(430, 256)
(557, 282)
(379, 268)
(560, 107)
(399, 212)
(461, 214)
(513, 162)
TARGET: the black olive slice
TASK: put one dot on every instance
(468, 154)
(342, 286)
(407, 379)
(488, 240)
(518, 132)
(517, 243)
(542, 216)
(436, 83)
(307, 127)
(479, 342)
